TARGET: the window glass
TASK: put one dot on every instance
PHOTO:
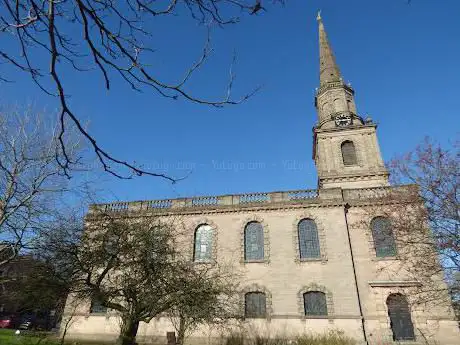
(253, 241)
(255, 305)
(203, 243)
(308, 239)
(382, 234)
(400, 318)
(315, 303)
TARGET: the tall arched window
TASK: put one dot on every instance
(308, 239)
(382, 234)
(253, 242)
(255, 305)
(315, 303)
(348, 153)
(203, 243)
(400, 319)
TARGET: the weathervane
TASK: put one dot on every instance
(318, 17)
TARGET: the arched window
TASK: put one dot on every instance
(400, 319)
(315, 303)
(253, 242)
(382, 234)
(348, 153)
(97, 307)
(203, 243)
(338, 104)
(308, 239)
(255, 305)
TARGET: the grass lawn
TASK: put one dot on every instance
(7, 337)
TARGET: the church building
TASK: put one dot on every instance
(312, 260)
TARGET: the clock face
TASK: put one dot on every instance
(343, 120)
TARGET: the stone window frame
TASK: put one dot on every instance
(390, 257)
(358, 151)
(214, 250)
(371, 244)
(381, 295)
(312, 288)
(321, 236)
(255, 218)
(411, 317)
(268, 300)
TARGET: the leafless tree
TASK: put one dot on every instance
(425, 221)
(31, 182)
(46, 37)
(210, 296)
(436, 172)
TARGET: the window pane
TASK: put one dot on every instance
(400, 318)
(348, 153)
(203, 243)
(253, 241)
(315, 303)
(308, 239)
(383, 237)
(97, 307)
(254, 305)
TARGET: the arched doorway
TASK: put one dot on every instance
(400, 318)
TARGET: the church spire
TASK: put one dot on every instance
(328, 69)
(345, 147)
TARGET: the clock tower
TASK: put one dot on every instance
(345, 146)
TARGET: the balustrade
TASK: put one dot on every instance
(208, 201)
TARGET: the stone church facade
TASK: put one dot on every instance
(306, 267)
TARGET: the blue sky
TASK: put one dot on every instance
(403, 61)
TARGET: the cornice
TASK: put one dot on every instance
(398, 283)
(355, 176)
(333, 85)
(340, 130)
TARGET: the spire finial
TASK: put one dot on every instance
(318, 17)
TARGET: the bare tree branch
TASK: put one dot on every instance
(30, 180)
(109, 37)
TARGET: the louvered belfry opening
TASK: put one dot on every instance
(400, 318)
(348, 153)
(315, 303)
(255, 305)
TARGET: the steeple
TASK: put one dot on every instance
(345, 147)
(328, 69)
(333, 97)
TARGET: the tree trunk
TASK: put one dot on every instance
(128, 331)
(181, 332)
